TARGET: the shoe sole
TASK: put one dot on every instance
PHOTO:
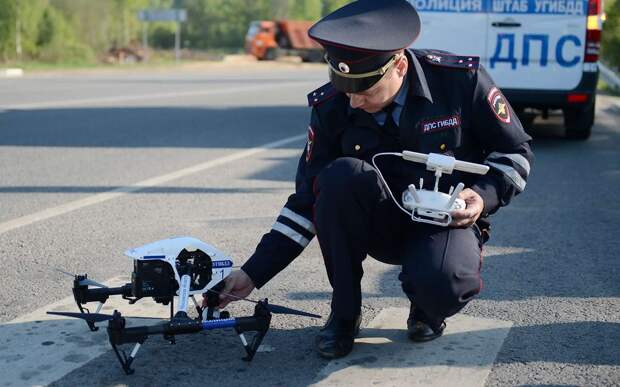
(423, 339)
(331, 356)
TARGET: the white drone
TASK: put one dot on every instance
(165, 270)
(433, 207)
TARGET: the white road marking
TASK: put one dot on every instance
(490, 251)
(143, 97)
(116, 193)
(37, 349)
(384, 356)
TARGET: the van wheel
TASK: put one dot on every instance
(526, 118)
(578, 122)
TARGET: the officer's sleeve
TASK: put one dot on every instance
(505, 145)
(294, 228)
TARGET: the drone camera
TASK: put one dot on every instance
(152, 279)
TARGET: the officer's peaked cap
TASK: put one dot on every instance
(361, 38)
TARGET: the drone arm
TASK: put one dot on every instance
(120, 335)
(84, 295)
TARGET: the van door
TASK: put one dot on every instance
(458, 26)
(536, 44)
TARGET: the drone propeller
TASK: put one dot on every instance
(96, 317)
(279, 309)
(82, 282)
(276, 309)
(90, 317)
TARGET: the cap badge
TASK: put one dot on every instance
(434, 58)
(343, 67)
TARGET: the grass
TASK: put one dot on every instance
(604, 88)
(158, 58)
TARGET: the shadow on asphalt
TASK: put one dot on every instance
(168, 127)
(566, 217)
(210, 358)
(214, 358)
(226, 80)
(151, 190)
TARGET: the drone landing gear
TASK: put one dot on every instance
(260, 325)
(211, 311)
(119, 334)
(91, 325)
(100, 294)
(126, 360)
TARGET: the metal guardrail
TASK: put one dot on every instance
(609, 76)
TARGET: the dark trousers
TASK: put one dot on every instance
(355, 217)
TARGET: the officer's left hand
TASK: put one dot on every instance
(473, 208)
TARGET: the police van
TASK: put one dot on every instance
(542, 53)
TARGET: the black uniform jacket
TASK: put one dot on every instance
(452, 107)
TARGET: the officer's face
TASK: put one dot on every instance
(383, 92)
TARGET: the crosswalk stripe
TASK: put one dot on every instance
(384, 356)
(37, 349)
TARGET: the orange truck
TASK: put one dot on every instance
(268, 40)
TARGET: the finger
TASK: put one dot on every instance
(459, 224)
(462, 214)
(461, 217)
(229, 284)
(465, 222)
(458, 214)
(225, 301)
(223, 304)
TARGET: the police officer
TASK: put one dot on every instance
(385, 97)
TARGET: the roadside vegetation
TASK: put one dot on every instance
(610, 41)
(37, 33)
(69, 33)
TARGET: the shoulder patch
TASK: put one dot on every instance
(469, 62)
(498, 104)
(321, 94)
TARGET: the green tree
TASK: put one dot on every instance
(610, 41)
(57, 40)
(332, 5)
(67, 30)
(8, 18)
(306, 9)
(221, 23)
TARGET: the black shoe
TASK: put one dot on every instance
(419, 330)
(336, 337)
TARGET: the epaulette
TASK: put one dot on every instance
(469, 62)
(321, 94)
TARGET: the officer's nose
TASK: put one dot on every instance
(356, 100)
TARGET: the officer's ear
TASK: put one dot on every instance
(402, 64)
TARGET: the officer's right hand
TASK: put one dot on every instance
(237, 285)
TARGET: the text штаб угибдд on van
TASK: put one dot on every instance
(543, 54)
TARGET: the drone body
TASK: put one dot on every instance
(164, 270)
(209, 265)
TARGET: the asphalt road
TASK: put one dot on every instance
(552, 267)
